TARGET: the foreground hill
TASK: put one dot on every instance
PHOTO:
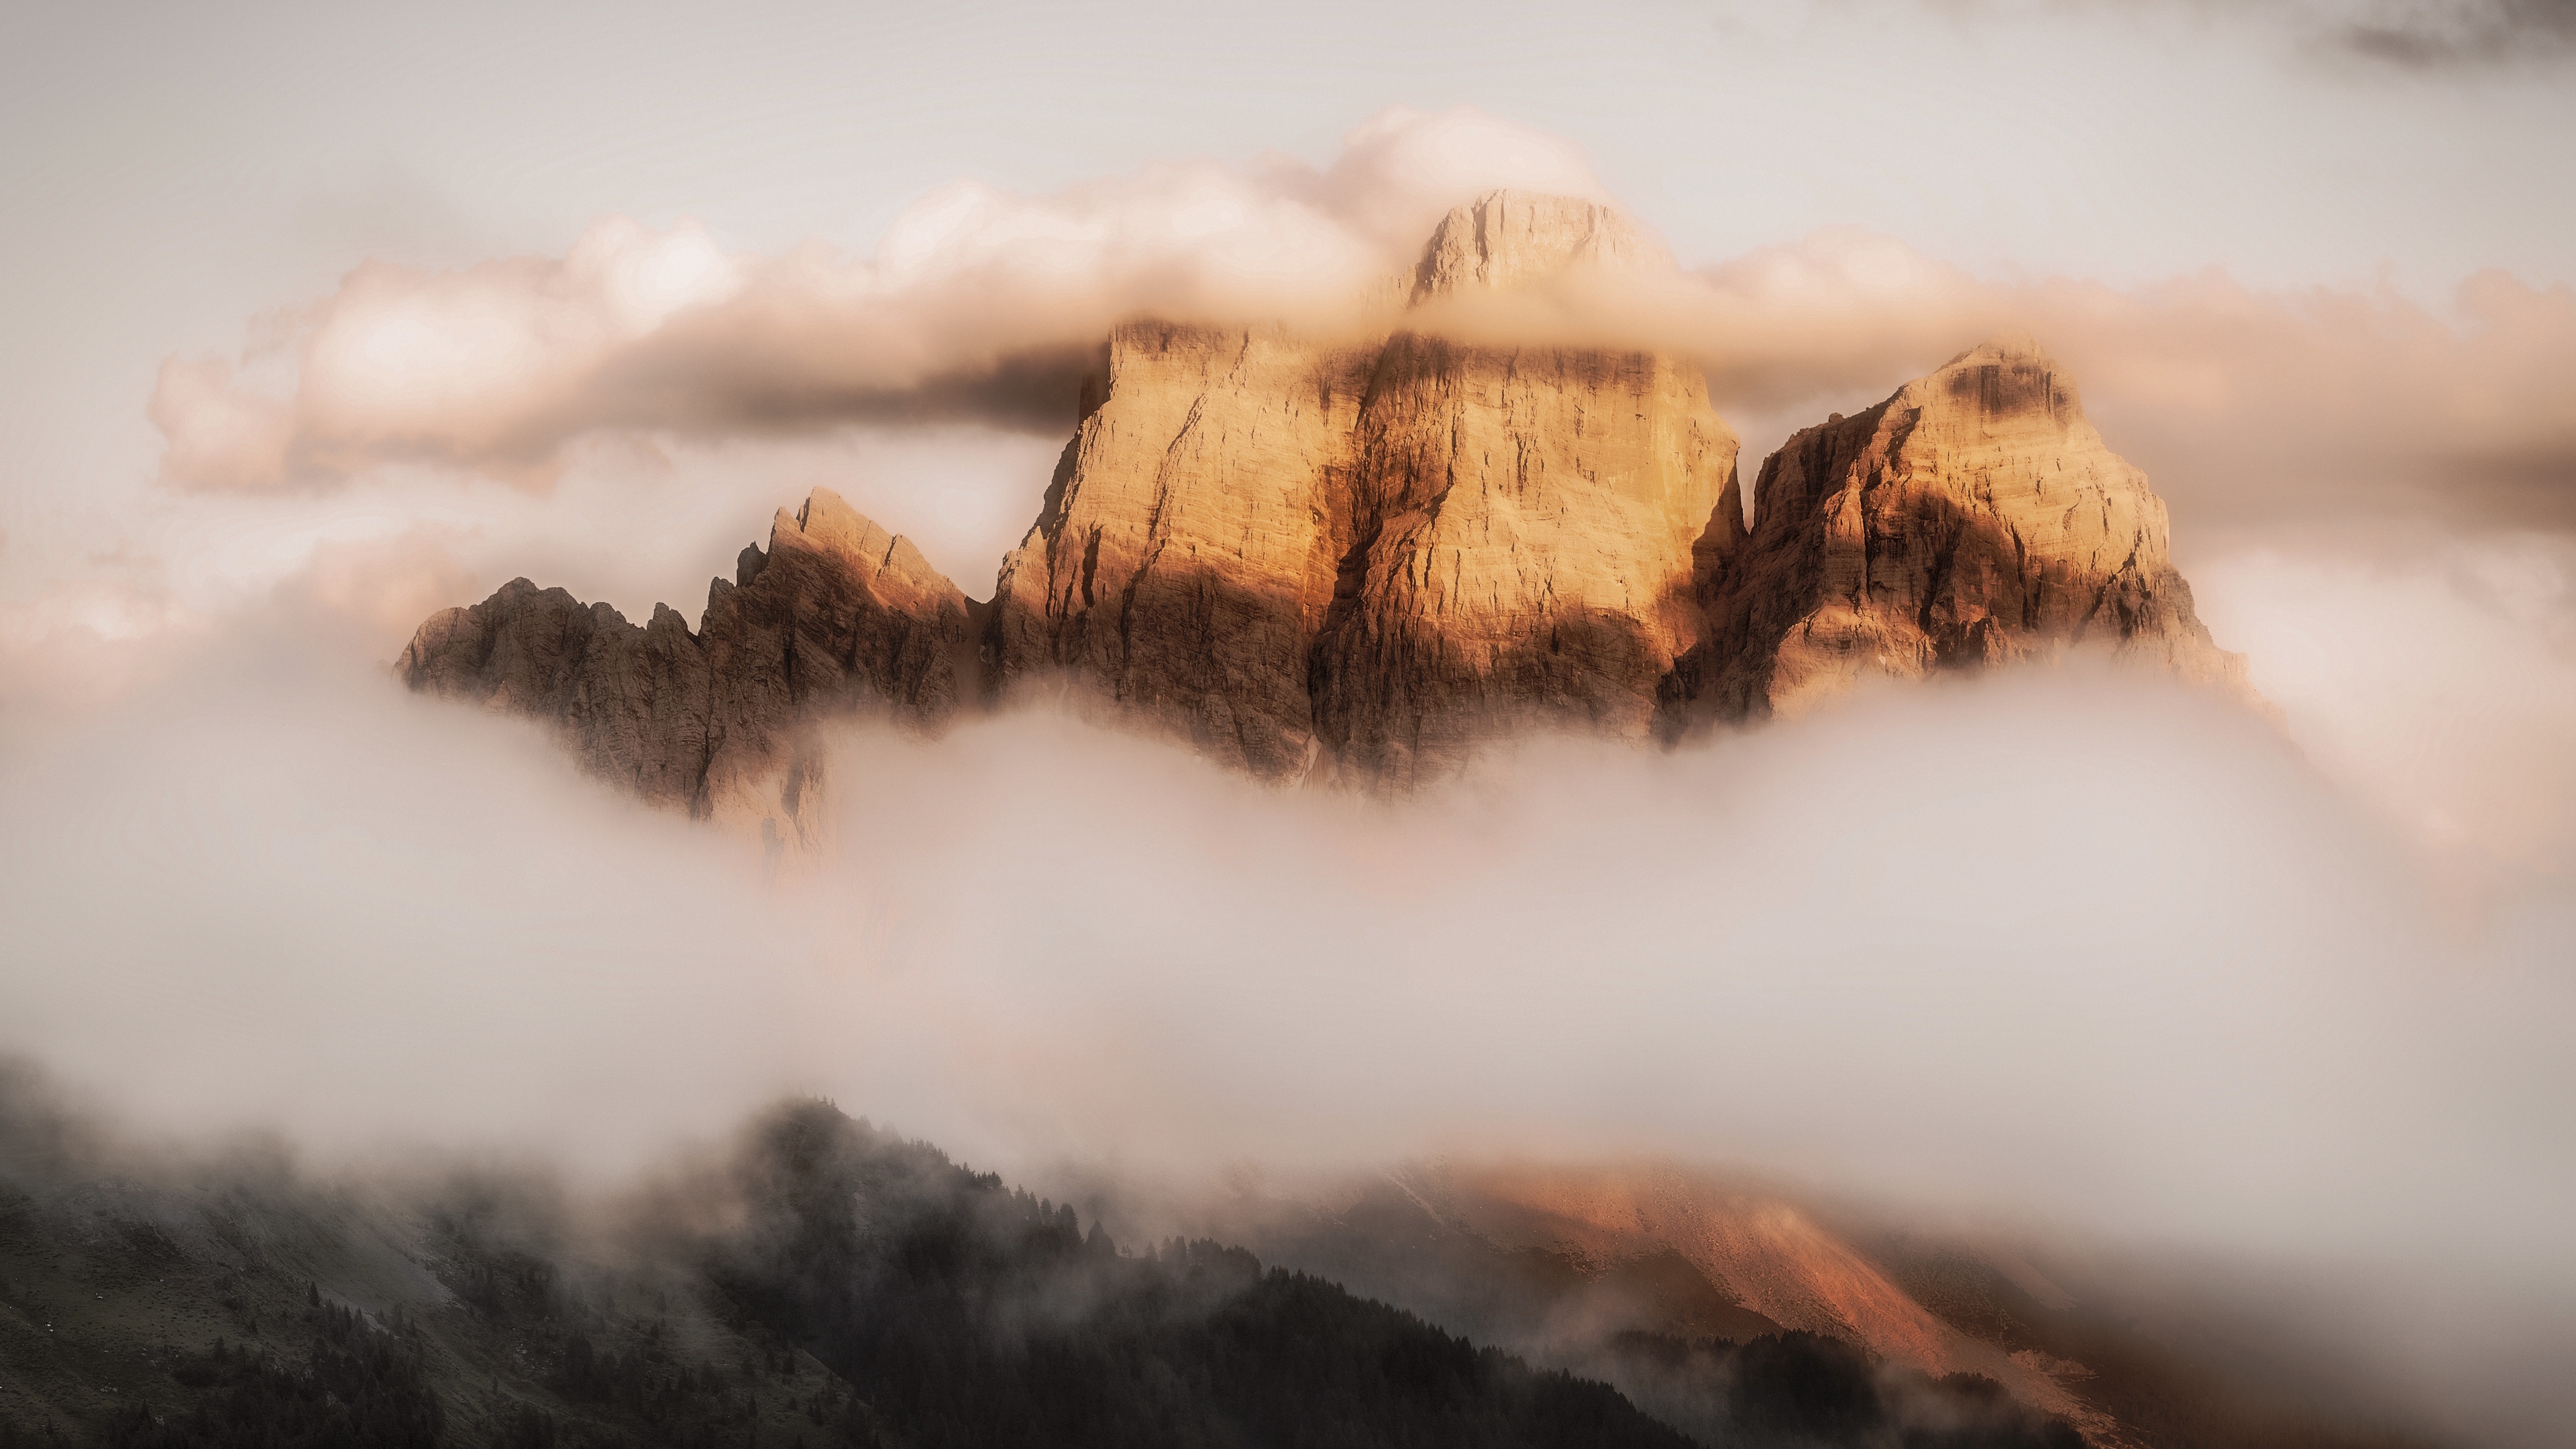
(827, 1284)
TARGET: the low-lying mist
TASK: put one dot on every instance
(2064, 947)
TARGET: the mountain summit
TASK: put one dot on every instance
(1508, 239)
(1362, 561)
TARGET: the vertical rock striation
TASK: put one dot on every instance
(837, 617)
(1521, 551)
(1186, 552)
(1973, 518)
(1378, 554)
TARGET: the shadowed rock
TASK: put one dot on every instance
(1186, 552)
(836, 618)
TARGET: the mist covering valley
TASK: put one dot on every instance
(2070, 962)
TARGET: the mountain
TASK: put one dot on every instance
(1506, 240)
(1974, 518)
(1375, 555)
(1285, 556)
(1361, 560)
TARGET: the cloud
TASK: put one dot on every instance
(2424, 37)
(977, 303)
(2263, 411)
(2451, 35)
(2434, 684)
(2251, 408)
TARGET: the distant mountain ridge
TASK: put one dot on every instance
(1361, 561)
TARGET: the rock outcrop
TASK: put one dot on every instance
(1523, 549)
(1186, 553)
(1973, 518)
(837, 617)
(1378, 555)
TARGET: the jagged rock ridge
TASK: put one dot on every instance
(1366, 558)
(835, 617)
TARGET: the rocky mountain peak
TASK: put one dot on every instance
(1505, 240)
(2007, 381)
(1366, 559)
(1973, 518)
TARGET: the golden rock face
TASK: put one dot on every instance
(1363, 559)
(1373, 555)
(1187, 551)
(1973, 518)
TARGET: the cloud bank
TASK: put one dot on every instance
(976, 303)
(2452, 35)
(2105, 955)
(2419, 37)
(2349, 406)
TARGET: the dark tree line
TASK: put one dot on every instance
(868, 1293)
(972, 1317)
(362, 1387)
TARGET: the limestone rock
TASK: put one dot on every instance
(1522, 549)
(837, 617)
(1378, 554)
(1186, 552)
(1509, 239)
(1973, 518)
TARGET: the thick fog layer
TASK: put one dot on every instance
(2099, 953)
